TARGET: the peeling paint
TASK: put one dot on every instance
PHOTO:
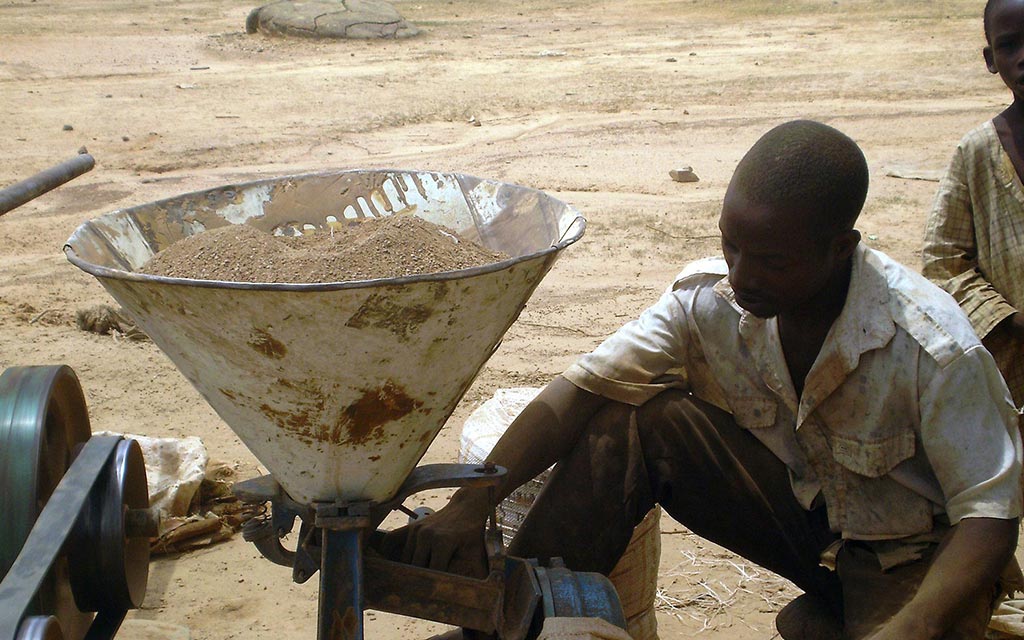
(262, 341)
(250, 205)
(385, 312)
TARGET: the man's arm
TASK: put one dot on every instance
(968, 562)
(546, 430)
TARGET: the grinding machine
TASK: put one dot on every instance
(339, 388)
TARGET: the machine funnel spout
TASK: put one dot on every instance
(337, 388)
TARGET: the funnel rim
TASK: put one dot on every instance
(574, 231)
(120, 274)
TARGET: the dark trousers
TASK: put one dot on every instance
(720, 482)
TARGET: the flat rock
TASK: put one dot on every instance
(358, 19)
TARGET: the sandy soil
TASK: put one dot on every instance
(594, 102)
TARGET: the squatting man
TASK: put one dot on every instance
(804, 401)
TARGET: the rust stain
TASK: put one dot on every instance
(266, 344)
(365, 418)
(374, 458)
(228, 394)
(297, 422)
(381, 311)
(440, 290)
(304, 422)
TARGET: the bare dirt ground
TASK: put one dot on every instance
(594, 102)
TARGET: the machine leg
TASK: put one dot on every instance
(341, 586)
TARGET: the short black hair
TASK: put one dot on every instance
(806, 166)
(986, 16)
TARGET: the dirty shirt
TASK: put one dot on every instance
(974, 243)
(904, 419)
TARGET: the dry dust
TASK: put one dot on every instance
(593, 102)
(390, 247)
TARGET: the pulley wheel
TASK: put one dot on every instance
(109, 563)
(43, 418)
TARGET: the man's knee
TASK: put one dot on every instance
(674, 417)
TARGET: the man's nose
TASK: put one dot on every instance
(741, 275)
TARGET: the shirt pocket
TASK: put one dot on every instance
(873, 458)
(753, 412)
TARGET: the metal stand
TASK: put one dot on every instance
(509, 604)
(341, 573)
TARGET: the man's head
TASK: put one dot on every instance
(788, 215)
(1004, 37)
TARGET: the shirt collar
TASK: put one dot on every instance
(864, 324)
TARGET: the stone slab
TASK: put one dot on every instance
(358, 19)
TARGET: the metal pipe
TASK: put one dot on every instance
(46, 180)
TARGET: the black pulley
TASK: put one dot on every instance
(110, 562)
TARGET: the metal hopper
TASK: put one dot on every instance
(337, 388)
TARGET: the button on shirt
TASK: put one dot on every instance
(903, 417)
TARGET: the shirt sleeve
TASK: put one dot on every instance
(951, 253)
(969, 433)
(642, 358)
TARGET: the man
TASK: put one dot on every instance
(806, 402)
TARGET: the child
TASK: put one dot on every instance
(805, 402)
(974, 240)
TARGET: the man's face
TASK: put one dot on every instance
(776, 261)
(1005, 53)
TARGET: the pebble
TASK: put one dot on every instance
(683, 174)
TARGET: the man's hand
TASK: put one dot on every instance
(453, 538)
(966, 567)
(450, 540)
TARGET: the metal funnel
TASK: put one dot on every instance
(338, 389)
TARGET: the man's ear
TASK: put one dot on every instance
(990, 61)
(845, 243)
